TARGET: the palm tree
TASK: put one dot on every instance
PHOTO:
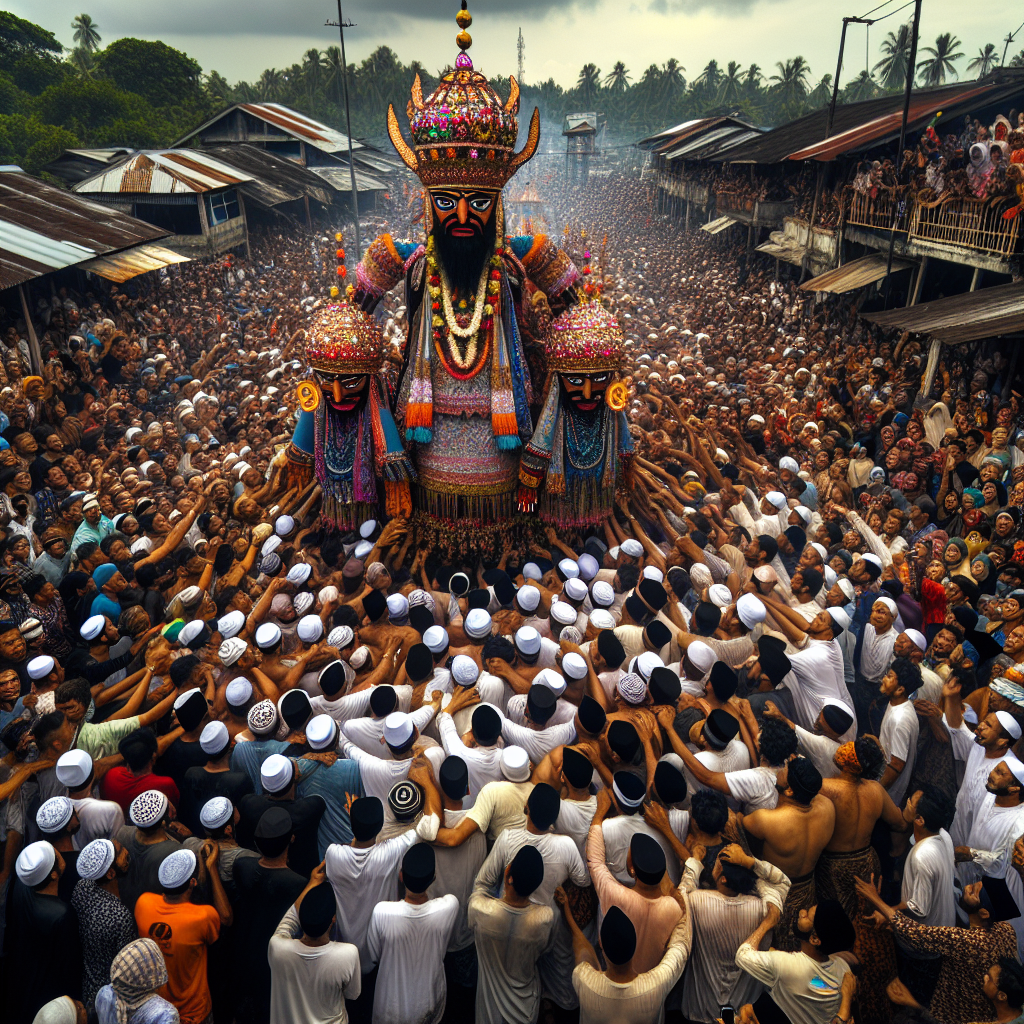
(83, 61)
(270, 84)
(312, 75)
(588, 83)
(672, 80)
(790, 87)
(618, 79)
(892, 67)
(985, 61)
(1017, 61)
(731, 88)
(863, 87)
(821, 94)
(934, 70)
(87, 32)
(710, 76)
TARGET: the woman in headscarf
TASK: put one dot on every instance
(131, 997)
(949, 515)
(980, 169)
(860, 467)
(982, 572)
(994, 494)
(937, 422)
(956, 557)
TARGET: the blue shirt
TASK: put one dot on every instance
(104, 605)
(249, 758)
(339, 785)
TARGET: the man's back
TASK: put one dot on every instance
(306, 812)
(794, 835)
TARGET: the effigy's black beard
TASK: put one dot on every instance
(463, 258)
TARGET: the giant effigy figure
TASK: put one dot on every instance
(465, 393)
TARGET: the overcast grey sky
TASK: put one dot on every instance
(239, 39)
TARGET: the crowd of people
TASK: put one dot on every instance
(751, 748)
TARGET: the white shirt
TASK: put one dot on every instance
(898, 737)
(562, 860)
(972, 788)
(820, 749)
(515, 711)
(482, 763)
(620, 830)
(806, 991)
(368, 733)
(574, 818)
(538, 743)
(380, 775)
(456, 868)
(817, 675)
(754, 788)
(352, 705)
(735, 757)
(928, 881)
(409, 942)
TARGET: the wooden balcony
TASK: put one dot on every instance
(861, 210)
(968, 223)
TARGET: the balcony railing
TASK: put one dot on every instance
(863, 210)
(972, 223)
(683, 189)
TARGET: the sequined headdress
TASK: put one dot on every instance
(341, 338)
(585, 339)
(463, 134)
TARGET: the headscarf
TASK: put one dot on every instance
(846, 758)
(987, 562)
(135, 975)
(980, 168)
(936, 423)
(940, 541)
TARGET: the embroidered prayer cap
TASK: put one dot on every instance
(177, 869)
(95, 860)
(585, 338)
(600, 618)
(148, 809)
(602, 594)
(262, 718)
(632, 688)
(465, 670)
(54, 814)
(342, 339)
(478, 624)
(216, 812)
(632, 547)
(405, 799)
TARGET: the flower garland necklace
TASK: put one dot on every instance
(445, 321)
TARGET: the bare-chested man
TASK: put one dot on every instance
(792, 837)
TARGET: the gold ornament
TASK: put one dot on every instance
(309, 396)
(464, 19)
(616, 396)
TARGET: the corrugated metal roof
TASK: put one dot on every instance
(713, 227)
(855, 274)
(43, 228)
(985, 313)
(165, 171)
(692, 130)
(782, 248)
(669, 132)
(275, 179)
(340, 179)
(727, 134)
(123, 266)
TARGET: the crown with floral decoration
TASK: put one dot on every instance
(341, 338)
(584, 339)
(463, 134)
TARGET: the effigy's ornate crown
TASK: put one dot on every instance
(463, 134)
(341, 338)
(584, 339)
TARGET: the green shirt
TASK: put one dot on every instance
(100, 739)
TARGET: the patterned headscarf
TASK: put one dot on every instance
(375, 571)
(846, 758)
(135, 975)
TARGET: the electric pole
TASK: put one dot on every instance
(521, 47)
(839, 69)
(341, 25)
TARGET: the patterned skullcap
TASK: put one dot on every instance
(262, 717)
(54, 814)
(176, 869)
(632, 688)
(405, 800)
(1008, 689)
(340, 636)
(216, 812)
(95, 859)
(148, 808)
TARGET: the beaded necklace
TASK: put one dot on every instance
(585, 439)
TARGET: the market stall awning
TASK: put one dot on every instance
(123, 266)
(985, 313)
(855, 274)
(782, 251)
(713, 227)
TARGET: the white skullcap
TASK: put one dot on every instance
(602, 594)
(701, 656)
(1012, 762)
(366, 529)
(131, 433)
(574, 666)
(328, 594)
(398, 729)
(302, 602)
(214, 738)
(361, 550)
(309, 629)
(143, 544)
(299, 573)
(822, 552)
(917, 637)
(357, 659)
(95, 860)
(763, 574)
(40, 667)
(322, 732)
(531, 571)
(284, 526)
(575, 589)
(804, 513)
(92, 627)
(749, 610)
(398, 606)
(527, 640)
(554, 681)
(873, 559)
(846, 586)
(528, 598)
(74, 768)
(569, 568)
(216, 812)
(267, 635)
(515, 764)
(190, 631)
(189, 596)
(777, 498)
(270, 545)
(238, 692)
(889, 603)
(632, 547)
(465, 670)
(35, 863)
(54, 814)
(644, 664)
(563, 613)
(148, 808)
(183, 698)
(588, 566)
(600, 618)
(340, 636)
(830, 576)
(176, 869)
(436, 639)
(841, 616)
(614, 552)
(720, 595)
(231, 625)
(478, 623)
(1006, 720)
(790, 464)
(652, 572)
(276, 773)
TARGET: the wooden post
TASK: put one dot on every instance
(245, 225)
(915, 292)
(33, 341)
(204, 222)
(975, 280)
(932, 366)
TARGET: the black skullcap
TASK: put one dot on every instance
(421, 618)
(730, 472)
(375, 604)
(653, 593)
(504, 589)
(996, 898)
(544, 804)
(836, 718)
(618, 937)
(706, 618)
(700, 538)
(813, 580)
(648, 858)
(295, 708)
(459, 584)
(383, 700)
(723, 680)
(610, 648)
(577, 768)
(719, 728)
(591, 715)
(418, 867)
(419, 663)
(192, 712)
(894, 588)
(658, 634)
(774, 663)
(486, 725)
(527, 871)
(405, 800)
(804, 779)
(623, 740)
(968, 586)
(832, 926)
(669, 783)
(453, 777)
(274, 823)
(638, 611)
(366, 817)
(317, 910)
(332, 679)
(873, 569)
(478, 598)
(664, 686)
(797, 538)
(541, 702)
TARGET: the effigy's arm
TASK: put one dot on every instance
(383, 265)
(551, 269)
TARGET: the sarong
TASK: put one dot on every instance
(802, 896)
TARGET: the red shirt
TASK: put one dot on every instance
(122, 786)
(933, 602)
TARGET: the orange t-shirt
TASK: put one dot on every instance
(182, 931)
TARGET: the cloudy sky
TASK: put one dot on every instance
(239, 38)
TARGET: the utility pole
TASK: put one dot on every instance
(1009, 39)
(911, 70)
(839, 69)
(341, 25)
(521, 47)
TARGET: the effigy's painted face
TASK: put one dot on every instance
(585, 390)
(462, 213)
(343, 392)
